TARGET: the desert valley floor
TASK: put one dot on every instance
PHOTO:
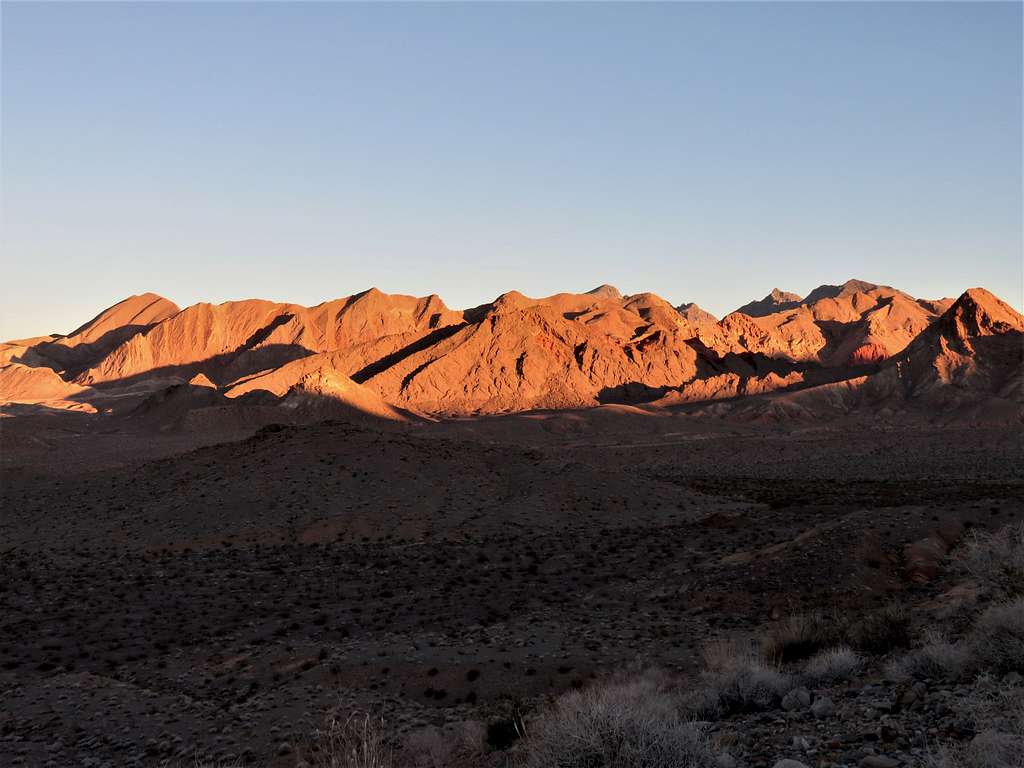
(226, 527)
(167, 597)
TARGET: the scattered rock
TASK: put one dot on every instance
(796, 700)
(822, 707)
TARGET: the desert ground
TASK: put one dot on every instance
(582, 531)
(175, 597)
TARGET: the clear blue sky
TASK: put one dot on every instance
(706, 152)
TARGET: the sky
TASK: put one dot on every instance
(705, 152)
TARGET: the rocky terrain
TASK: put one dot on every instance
(227, 529)
(221, 601)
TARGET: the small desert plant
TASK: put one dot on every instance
(998, 711)
(997, 560)
(937, 658)
(462, 744)
(833, 665)
(356, 742)
(631, 724)
(738, 679)
(881, 631)
(989, 749)
(802, 635)
(998, 637)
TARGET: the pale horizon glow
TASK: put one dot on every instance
(703, 152)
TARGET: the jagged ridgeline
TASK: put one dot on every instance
(851, 347)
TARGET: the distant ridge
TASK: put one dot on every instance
(386, 356)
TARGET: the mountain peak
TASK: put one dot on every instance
(694, 313)
(835, 291)
(509, 300)
(981, 313)
(605, 291)
(137, 309)
(776, 301)
(782, 296)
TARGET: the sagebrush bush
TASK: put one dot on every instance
(631, 724)
(997, 560)
(833, 665)
(738, 679)
(998, 637)
(937, 658)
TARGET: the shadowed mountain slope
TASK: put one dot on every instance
(378, 353)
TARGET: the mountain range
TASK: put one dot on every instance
(856, 347)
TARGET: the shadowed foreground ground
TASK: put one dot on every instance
(222, 601)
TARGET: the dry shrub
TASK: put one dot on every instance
(627, 724)
(462, 744)
(738, 679)
(937, 658)
(998, 637)
(357, 742)
(989, 749)
(992, 749)
(998, 710)
(800, 636)
(997, 560)
(881, 631)
(833, 665)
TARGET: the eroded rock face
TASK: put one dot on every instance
(874, 347)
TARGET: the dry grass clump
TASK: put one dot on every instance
(630, 724)
(463, 744)
(989, 749)
(997, 560)
(881, 631)
(999, 711)
(801, 635)
(936, 658)
(359, 741)
(738, 679)
(998, 637)
(833, 665)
